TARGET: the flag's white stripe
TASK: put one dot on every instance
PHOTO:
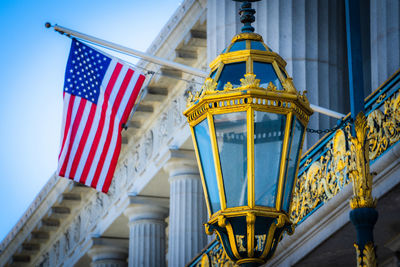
(128, 93)
(90, 139)
(95, 124)
(117, 86)
(78, 137)
(107, 76)
(106, 126)
(67, 141)
(113, 143)
(110, 154)
(64, 118)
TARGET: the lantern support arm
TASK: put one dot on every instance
(327, 112)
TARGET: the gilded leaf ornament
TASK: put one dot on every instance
(368, 257)
(209, 86)
(288, 86)
(359, 166)
(249, 81)
(271, 87)
(228, 87)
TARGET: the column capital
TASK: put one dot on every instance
(112, 251)
(181, 162)
(146, 208)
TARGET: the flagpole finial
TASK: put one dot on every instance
(47, 25)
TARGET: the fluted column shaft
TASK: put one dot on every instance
(109, 252)
(146, 235)
(385, 40)
(187, 210)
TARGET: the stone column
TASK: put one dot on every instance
(187, 208)
(109, 252)
(146, 231)
(385, 40)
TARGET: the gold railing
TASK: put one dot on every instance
(324, 169)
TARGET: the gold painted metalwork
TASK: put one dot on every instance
(368, 256)
(209, 87)
(216, 257)
(384, 126)
(249, 81)
(328, 173)
(325, 177)
(248, 97)
(359, 166)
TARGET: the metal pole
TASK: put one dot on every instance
(363, 214)
(130, 51)
(354, 57)
(327, 112)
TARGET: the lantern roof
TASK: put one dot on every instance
(239, 43)
(249, 66)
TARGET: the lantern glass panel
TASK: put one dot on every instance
(202, 135)
(239, 45)
(293, 156)
(231, 132)
(231, 73)
(257, 46)
(266, 73)
(269, 132)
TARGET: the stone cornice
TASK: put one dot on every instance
(175, 20)
(37, 210)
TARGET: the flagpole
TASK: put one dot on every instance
(129, 51)
(161, 61)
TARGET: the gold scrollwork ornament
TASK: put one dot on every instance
(359, 166)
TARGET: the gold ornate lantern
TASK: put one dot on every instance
(248, 125)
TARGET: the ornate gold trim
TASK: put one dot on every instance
(359, 166)
(368, 256)
(247, 36)
(249, 81)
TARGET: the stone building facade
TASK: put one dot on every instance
(155, 211)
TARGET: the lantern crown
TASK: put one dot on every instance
(249, 64)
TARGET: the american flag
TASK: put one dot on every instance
(99, 94)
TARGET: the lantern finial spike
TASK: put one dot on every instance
(247, 15)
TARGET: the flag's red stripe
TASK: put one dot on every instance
(113, 165)
(133, 97)
(83, 140)
(96, 139)
(67, 121)
(110, 133)
(125, 115)
(74, 130)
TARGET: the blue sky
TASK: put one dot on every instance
(32, 69)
